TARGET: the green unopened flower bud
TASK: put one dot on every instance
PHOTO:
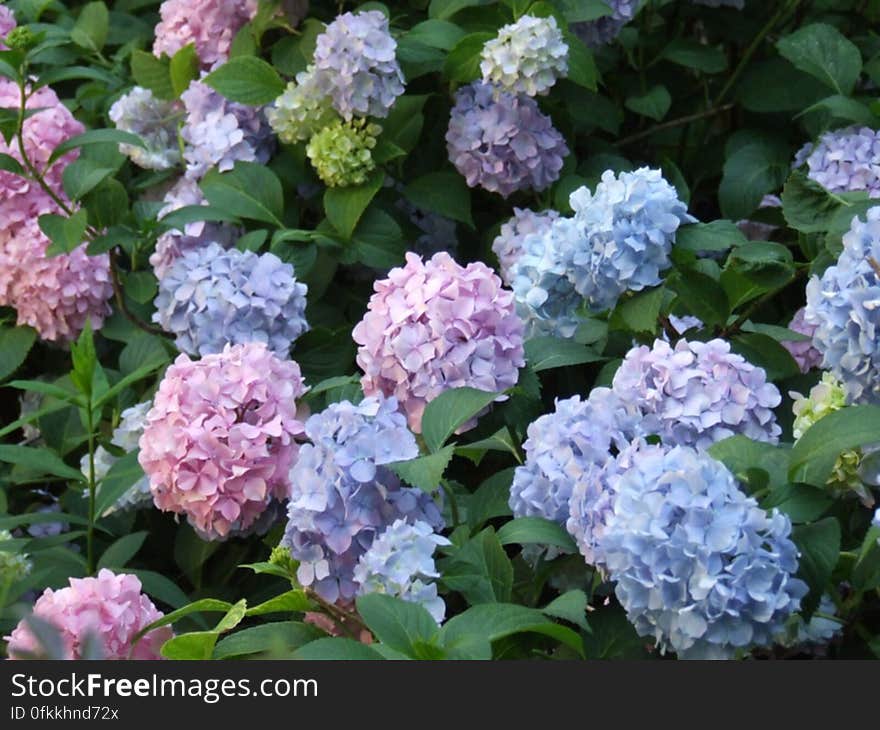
(341, 152)
(21, 38)
(280, 556)
(825, 397)
(13, 565)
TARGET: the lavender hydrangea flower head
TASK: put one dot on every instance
(563, 446)
(400, 563)
(125, 437)
(629, 227)
(844, 160)
(210, 24)
(699, 392)
(697, 564)
(356, 61)
(526, 56)
(301, 110)
(596, 33)
(155, 122)
(841, 305)
(804, 353)
(502, 141)
(211, 297)
(218, 133)
(343, 494)
(546, 298)
(435, 325)
(342, 152)
(171, 244)
(508, 244)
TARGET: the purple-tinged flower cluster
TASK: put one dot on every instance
(220, 437)
(508, 244)
(209, 24)
(343, 494)
(565, 447)
(629, 226)
(842, 306)
(804, 353)
(155, 122)
(108, 609)
(699, 392)
(211, 297)
(697, 565)
(844, 160)
(596, 33)
(435, 325)
(171, 244)
(400, 563)
(356, 65)
(502, 141)
(526, 56)
(218, 133)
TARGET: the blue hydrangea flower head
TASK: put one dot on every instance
(629, 226)
(697, 565)
(596, 33)
(699, 392)
(844, 160)
(343, 494)
(400, 563)
(508, 244)
(503, 142)
(356, 65)
(842, 305)
(211, 297)
(526, 56)
(563, 445)
(218, 132)
(546, 298)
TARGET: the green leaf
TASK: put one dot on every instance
(293, 600)
(491, 499)
(750, 173)
(336, 649)
(701, 295)
(819, 546)
(183, 68)
(826, 54)
(810, 208)
(194, 646)
(161, 588)
(15, 344)
(9, 522)
(345, 205)
(122, 475)
(769, 264)
(404, 123)
(866, 572)
(436, 34)
(247, 80)
(480, 570)
(424, 472)
(463, 62)
(536, 531)
(449, 411)
(801, 502)
(81, 176)
(582, 68)
(654, 103)
(496, 621)
(843, 108)
(693, 54)
(571, 606)
(129, 379)
(93, 137)
(397, 623)
(91, 27)
(547, 353)
(9, 164)
(232, 618)
(107, 206)
(445, 193)
(443, 9)
(205, 605)
(718, 235)
(765, 352)
(141, 286)
(814, 453)
(280, 637)
(501, 440)
(40, 461)
(191, 553)
(249, 190)
(124, 549)
(742, 455)
(65, 232)
(638, 313)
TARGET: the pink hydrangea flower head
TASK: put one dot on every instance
(58, 295)
(804, 353)
(435, 325)
(220, 439)
(42, 133)
(210, 24)
(109, 608)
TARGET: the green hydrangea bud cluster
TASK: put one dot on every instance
(341, 152)
(21, 38)
(13, 565)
